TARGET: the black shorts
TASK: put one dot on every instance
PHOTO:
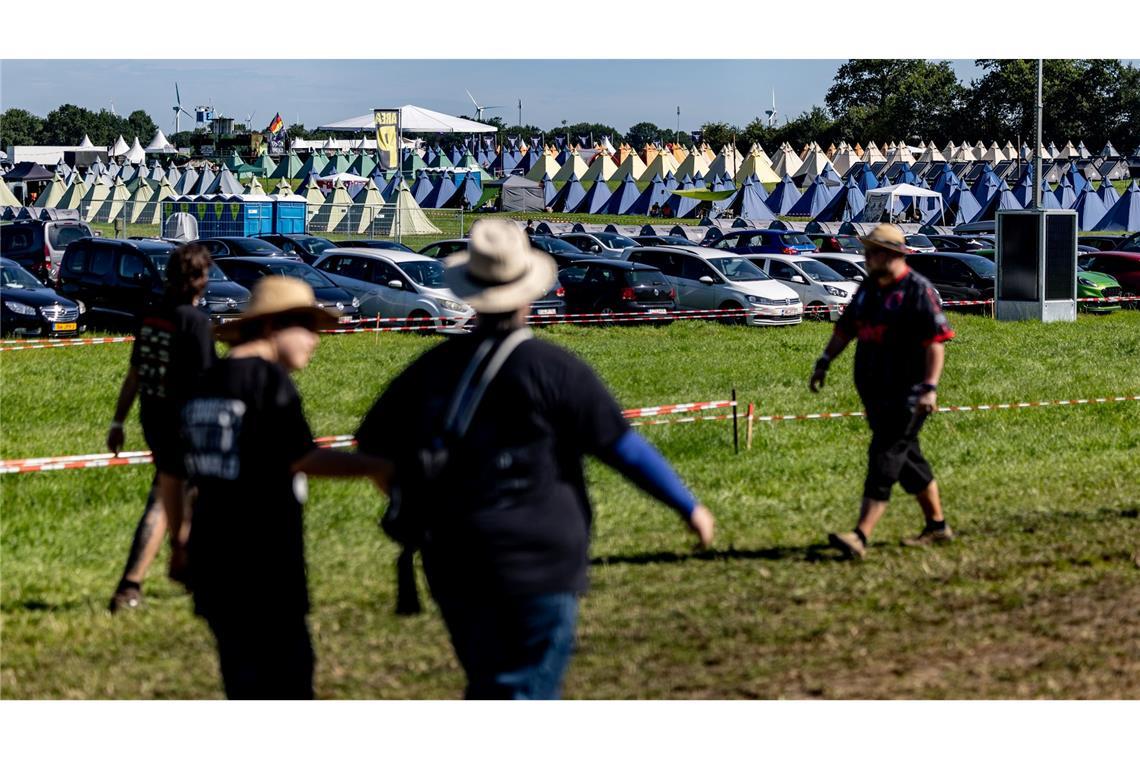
(894, 455)
(161, 431)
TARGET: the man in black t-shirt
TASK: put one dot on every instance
(248, 449)
(173, 345)
(506, 518)
(900, 328)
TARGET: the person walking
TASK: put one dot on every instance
(248, 451)
(486, 434)
(896, 318)
(173, 346)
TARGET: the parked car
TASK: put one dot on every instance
(765, 241)
(661, 240)
(444, 248)
(308, 247)
(1102, 242)
(1123, 265)
(958, 243)
(29, 308)
(828, 243)
(705, 278)
(1092, 284)
(956, 276)
(118, 279)
(247, 270)
(817, 284)
(383, 245)
(38, 245)
(853, 266)
(920, 244)
(607, 286)
(562, 252)
(221, 247)
(394, 284)
(609, 244)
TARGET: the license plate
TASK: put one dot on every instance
(223, 320)
(788, 312)
(344, 320)
(656, 311)
(544, 312)
(65, 326)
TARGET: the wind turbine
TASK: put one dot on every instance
(248, 119)
(478, 108)
(178, 109)
(771, 113)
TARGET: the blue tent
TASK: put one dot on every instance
(964, 205)
(722, 183)
(684, 208)
(946, 182)
(1065, 194)
(671, 183)
(422, 187)
(1000, 201)
(986, 186)
(392, 188)
(845, 205)
(1125, 213)
(698, 180)
(529, 160)
(595, 199)
(864, 176)
(441, 193)
(1090, 210)
(905, 176)
(1107, 193)
(748, 204)
(1076, 179)
(625, 196)
(655, 193)
(815, 198)
(569, 196)
(783, 197)
(830, 176)
(1023, 191)
(456, 156)
(549, 191)
(470, 189)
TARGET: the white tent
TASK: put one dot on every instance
(412, 119)
(136, 154)
(332, 215)
(693, 165)
(407, 217)
(728, 161)
(888, 199)
(159, 144)
(366, 208)
(900, 154)
(931, 154)
(994, 154)
(86, 143)
(787, 163)
(7, 197)
(844, 159)
(120, 148)
(632, 166)
(872, 154)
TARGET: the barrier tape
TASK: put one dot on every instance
(945, 409)
(657, 411)
(679, 420)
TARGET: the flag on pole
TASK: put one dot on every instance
(276, 125)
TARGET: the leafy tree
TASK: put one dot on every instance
(20, 127)
(587, 128)
(642, 133)
(896, 99)
(140, 125)
(718, 134)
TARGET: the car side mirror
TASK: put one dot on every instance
(398, 284)
(797, 278)
(707, 280)
(595, 248)
(857, 278)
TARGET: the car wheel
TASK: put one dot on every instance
(417, 320)
(731, 319)
(817, 310)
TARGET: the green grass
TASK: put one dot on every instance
(1039, 598)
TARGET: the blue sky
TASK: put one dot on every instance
(617, 92)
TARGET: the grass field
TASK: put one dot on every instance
(1039, 598)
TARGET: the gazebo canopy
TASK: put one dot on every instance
(412, 119)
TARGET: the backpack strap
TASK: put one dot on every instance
(466, 400)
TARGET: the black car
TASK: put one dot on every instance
(29, 308)
(246, 270)
(562, 252)
(958, 243)
(828, 243)
(383, 245)
(443, 248)
(38, 244)
(220, 247)
(308, 247)
(119, 279)
(661, 240)
(1103, 242)
(608, 286)
(956, 276)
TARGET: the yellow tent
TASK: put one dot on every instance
(575, 166)
(114, 203)
(545, 165)
(52, 193)
(152, 211)
(7, 198)
(332, 215)
(143, 192)
(254, 187)
(366, 208)
(73, 195)
(407, 218)
(693, 164)
(93, 200)
(757, 166)
(315, 199)
(679, 153)
(662, 164)
(631, 166)
(601, 168)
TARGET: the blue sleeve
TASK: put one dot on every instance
(636, 459)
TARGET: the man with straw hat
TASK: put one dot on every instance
(897, 320)
(248, 450)
(486, 434)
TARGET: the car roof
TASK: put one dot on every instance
(143, 246)
(264, 260)
(452, 240)
(398, 257)
(1129, 255)
(696, 250)
(960, 255)
(614, 263)
(841, 255)
(232, 237)
(5, 261)
(791, 258)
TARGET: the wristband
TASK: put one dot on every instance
(925, 388)
(116, 425)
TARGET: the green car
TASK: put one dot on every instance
(1097, 285)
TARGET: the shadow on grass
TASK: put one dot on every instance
(809, 553)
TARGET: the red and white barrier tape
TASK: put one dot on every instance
(680, 420)
(657, 411)
(24, 345)
(944, 409)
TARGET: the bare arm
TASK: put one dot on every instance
(342, 464)
(127, 393)
(835, 346)
(935, 357)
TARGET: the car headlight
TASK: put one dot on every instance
(763, 301)
(355, 302)
(451, 305)
(1086, 282)
(21, 308)
(835, 291)
(82, 307)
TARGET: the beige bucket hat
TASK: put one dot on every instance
(500, 272)
(278, 296)
(888, 238)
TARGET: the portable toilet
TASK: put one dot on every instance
(290, 213)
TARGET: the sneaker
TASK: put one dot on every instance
(930, 536)
(848, 543)
(125, 599)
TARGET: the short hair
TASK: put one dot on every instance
(186, 269)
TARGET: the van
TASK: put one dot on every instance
(38, 244)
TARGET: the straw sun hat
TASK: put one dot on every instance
(277, 296)
(500, 272)
(888, 238)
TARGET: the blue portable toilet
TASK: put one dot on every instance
(290, 216)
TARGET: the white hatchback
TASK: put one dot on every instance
(817, 284)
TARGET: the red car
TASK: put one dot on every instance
(1123, 265)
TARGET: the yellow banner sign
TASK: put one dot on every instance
(388, 136)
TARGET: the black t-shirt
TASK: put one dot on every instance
(173, 345)
(244, 428)
(519, 522)
(894, 325)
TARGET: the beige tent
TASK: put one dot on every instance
(404, 216)
(859, 150)
(707, 152)
(979, 150)
(49, 198)
(648, 153)
(963, 153)
(758, 166)
(661, 165)
(332, 215)
(728, 161)
(931, 154)
(872, 154)
(679, 152)
(152, 212)
(1068, 151)
(73, 196)
(844, 159)
(545, 165)
(601, 168)
(93, 201)
(366, 208)
(254, 187)
(900, 154)
(283, 188)
(815, 162)
(575, 166)
(114, 203)
(693, 165)
(994, 154)
(787, 163)
(949, 150)
(136, 204)
(631, 166)
(315, 199)
(7, 198)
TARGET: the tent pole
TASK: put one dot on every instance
(1037, 151)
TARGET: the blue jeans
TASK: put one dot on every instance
(512, 647)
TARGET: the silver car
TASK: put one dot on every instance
(395, 284)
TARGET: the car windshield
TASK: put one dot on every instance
(429, 274)
(15, 277)
(738, 269)
(819, 271)
(614, 240)
(318, 245)
(796, 238)
(160, 259)
(982, 266)
(645, 277)
(293, 269)
(253, 245)
(919, 241)
(850, 241)
(553, 245)
(1132, 245)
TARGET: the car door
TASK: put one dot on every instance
(392, 301)
(573, 279)
(133, 282)
(600, 288)
(98, 276)
(698, 295)
(786, 274)
(961, 283)
(217, 248)
(355, 275)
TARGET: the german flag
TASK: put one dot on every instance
(276, 125)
